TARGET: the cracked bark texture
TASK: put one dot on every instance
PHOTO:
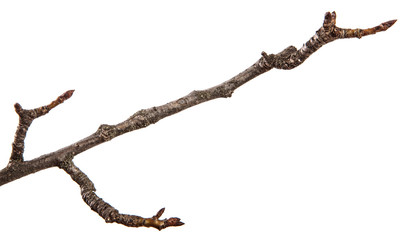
(289, 58)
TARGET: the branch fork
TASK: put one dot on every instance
(291, 57)
(288, 59)
(26, 117)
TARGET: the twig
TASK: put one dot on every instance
(105, 210)
(26, 117)
(287, 59)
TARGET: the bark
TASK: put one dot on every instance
(288, 59)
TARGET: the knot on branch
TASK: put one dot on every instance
(287, 59)
(107, 132)
(266, 62)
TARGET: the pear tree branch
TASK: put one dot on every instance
(17, 167)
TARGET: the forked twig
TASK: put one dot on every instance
(287, 59)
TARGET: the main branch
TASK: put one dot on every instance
(287, 59)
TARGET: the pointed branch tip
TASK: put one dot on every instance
(173, 222)
(159, 213)
(68, 94)
(65, 96)
(389, 24)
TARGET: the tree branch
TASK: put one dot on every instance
(288, 59)
(105, 210)
(26, 117)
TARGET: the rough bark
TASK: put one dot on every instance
(287, 59)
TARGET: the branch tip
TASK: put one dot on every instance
(162, 224)
(389, 24)
(65, 96)
(173, 222)
(68, 94)
(329, 19)
(62, 98)
(18, 108)
(159, 213)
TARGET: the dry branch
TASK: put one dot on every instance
(287, 59)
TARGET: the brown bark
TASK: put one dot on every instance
(287, 59)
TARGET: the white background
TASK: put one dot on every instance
(318, 152)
